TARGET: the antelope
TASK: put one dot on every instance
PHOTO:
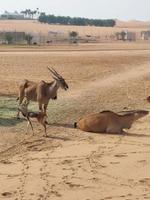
(148, 98)
(39, 116)
(109, 122)
(41, 92)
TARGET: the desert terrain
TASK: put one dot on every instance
(70, 164)
(33, 26)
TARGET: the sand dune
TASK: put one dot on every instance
(36, 27)
(133, 24)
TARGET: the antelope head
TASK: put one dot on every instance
(140, 113)
(60, 80)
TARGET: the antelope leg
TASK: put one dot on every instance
(29, 122)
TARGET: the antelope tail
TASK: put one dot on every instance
(75, 125)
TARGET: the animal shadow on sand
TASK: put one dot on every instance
(64, 125)
(9, 122)
(58, 137)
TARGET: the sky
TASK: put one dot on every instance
(98, 9)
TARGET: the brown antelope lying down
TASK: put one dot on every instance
(148, 98)
(41, 92)
(109, 122)
(39, 116)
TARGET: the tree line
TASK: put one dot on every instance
(79, 21)
(52, 19)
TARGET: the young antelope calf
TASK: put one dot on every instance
(109, 122)
(39, 115)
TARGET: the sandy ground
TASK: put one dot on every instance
(132, 23)
(71, 164)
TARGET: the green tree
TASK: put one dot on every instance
(51, 19)
(73, 36)
(9, 38)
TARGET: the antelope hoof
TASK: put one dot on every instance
(55, 98)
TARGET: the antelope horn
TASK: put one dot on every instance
(54, 72)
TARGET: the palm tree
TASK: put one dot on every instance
(24, 13)
(31, 14)
(35, 12)
(38, 12)
(28, 11)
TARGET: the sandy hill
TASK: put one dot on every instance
(35, 26)
(133, 24)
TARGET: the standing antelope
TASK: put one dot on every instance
(41, 92)
(40, 116)
(109, 122)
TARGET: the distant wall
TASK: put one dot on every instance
(11, 16)
(15, 37)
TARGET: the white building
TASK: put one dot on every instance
(8, 15)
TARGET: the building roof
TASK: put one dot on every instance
(11, 13)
